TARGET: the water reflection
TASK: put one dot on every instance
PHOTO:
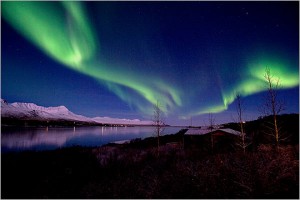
(18, 139)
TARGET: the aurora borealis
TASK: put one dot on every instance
(118, 58)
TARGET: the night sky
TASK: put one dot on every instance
(117, 59)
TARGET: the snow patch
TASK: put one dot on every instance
(35, 112)
(108, 120)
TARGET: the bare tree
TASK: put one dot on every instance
(272, 105)
(158, 122)
(211, 121)
(240, 110)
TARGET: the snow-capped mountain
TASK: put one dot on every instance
(31, 111)
(35, 112)
(108, 120)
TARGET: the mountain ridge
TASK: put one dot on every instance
(31, 111)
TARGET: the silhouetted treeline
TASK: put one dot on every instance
(185, 168)
(259, 130)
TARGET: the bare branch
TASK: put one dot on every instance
(272, 104)
(240, 109)
(158, 122)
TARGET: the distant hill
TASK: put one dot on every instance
(260, 130)
(30, 114)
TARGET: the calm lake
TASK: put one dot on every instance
(47, 138)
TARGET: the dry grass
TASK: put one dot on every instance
(126, 172)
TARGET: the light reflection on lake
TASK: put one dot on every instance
(20, 139)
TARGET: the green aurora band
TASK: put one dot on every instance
(64, 33)
(43, 24)
(70, 41)
(255, 82)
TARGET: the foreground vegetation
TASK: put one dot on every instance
(129, 172)
(182, 170)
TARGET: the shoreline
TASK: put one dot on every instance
(135, 170)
